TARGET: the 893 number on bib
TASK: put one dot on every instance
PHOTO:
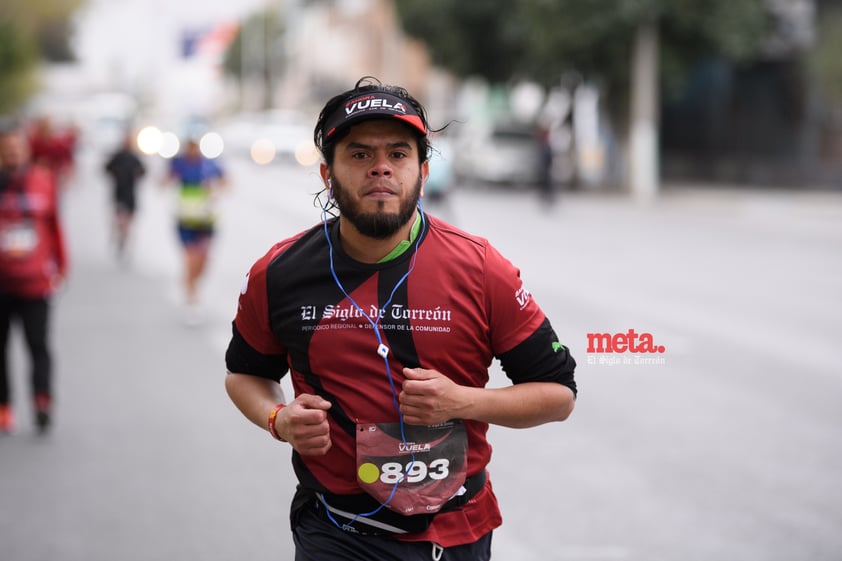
(413, 472)
(418, 473)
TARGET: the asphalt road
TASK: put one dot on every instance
(723, 447)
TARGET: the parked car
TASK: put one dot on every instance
(505, 153)
(440, 180)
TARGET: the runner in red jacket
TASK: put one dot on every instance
(33, 263)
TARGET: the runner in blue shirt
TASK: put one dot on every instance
(199, 179)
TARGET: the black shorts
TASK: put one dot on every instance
(318, 539)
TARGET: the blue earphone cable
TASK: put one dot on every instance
(375, 327)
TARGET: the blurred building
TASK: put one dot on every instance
(326, 46)
(330, 44)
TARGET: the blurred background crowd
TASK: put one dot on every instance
(628, 95)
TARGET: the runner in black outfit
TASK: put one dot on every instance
(125, 168)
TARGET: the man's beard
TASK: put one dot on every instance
(378, 225)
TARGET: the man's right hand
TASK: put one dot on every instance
(303, 423)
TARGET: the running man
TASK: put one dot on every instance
(387, 320)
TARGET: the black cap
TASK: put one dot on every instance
(372, 105)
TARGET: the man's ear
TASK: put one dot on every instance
(324, 171)
(425, 173)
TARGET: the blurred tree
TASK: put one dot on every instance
(664, 38)
(631, 48)
(824, 63)
(18, 56)
(825, 60)
(31, 31)
(596, 38)
(470, 38)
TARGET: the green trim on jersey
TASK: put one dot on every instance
(404, 244)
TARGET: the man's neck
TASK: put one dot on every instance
(366, 249)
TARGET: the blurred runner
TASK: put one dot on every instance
(33, 264)
(199, 179)
(545, 147)
(125, 168)
(52, 149)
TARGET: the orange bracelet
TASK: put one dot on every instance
(272, 416)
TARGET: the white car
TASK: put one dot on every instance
(503, 153)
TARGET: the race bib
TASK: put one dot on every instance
(195, 205)
(18, 239)
(415, 476)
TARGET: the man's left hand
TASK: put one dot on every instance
(429, 397)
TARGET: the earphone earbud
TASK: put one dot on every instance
(330, 188)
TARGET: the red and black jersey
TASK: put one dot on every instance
(452, 305)
(32, 250)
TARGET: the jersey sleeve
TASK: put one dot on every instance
(513, 313)
(522, 338)
(541, 357)
(253, 348)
